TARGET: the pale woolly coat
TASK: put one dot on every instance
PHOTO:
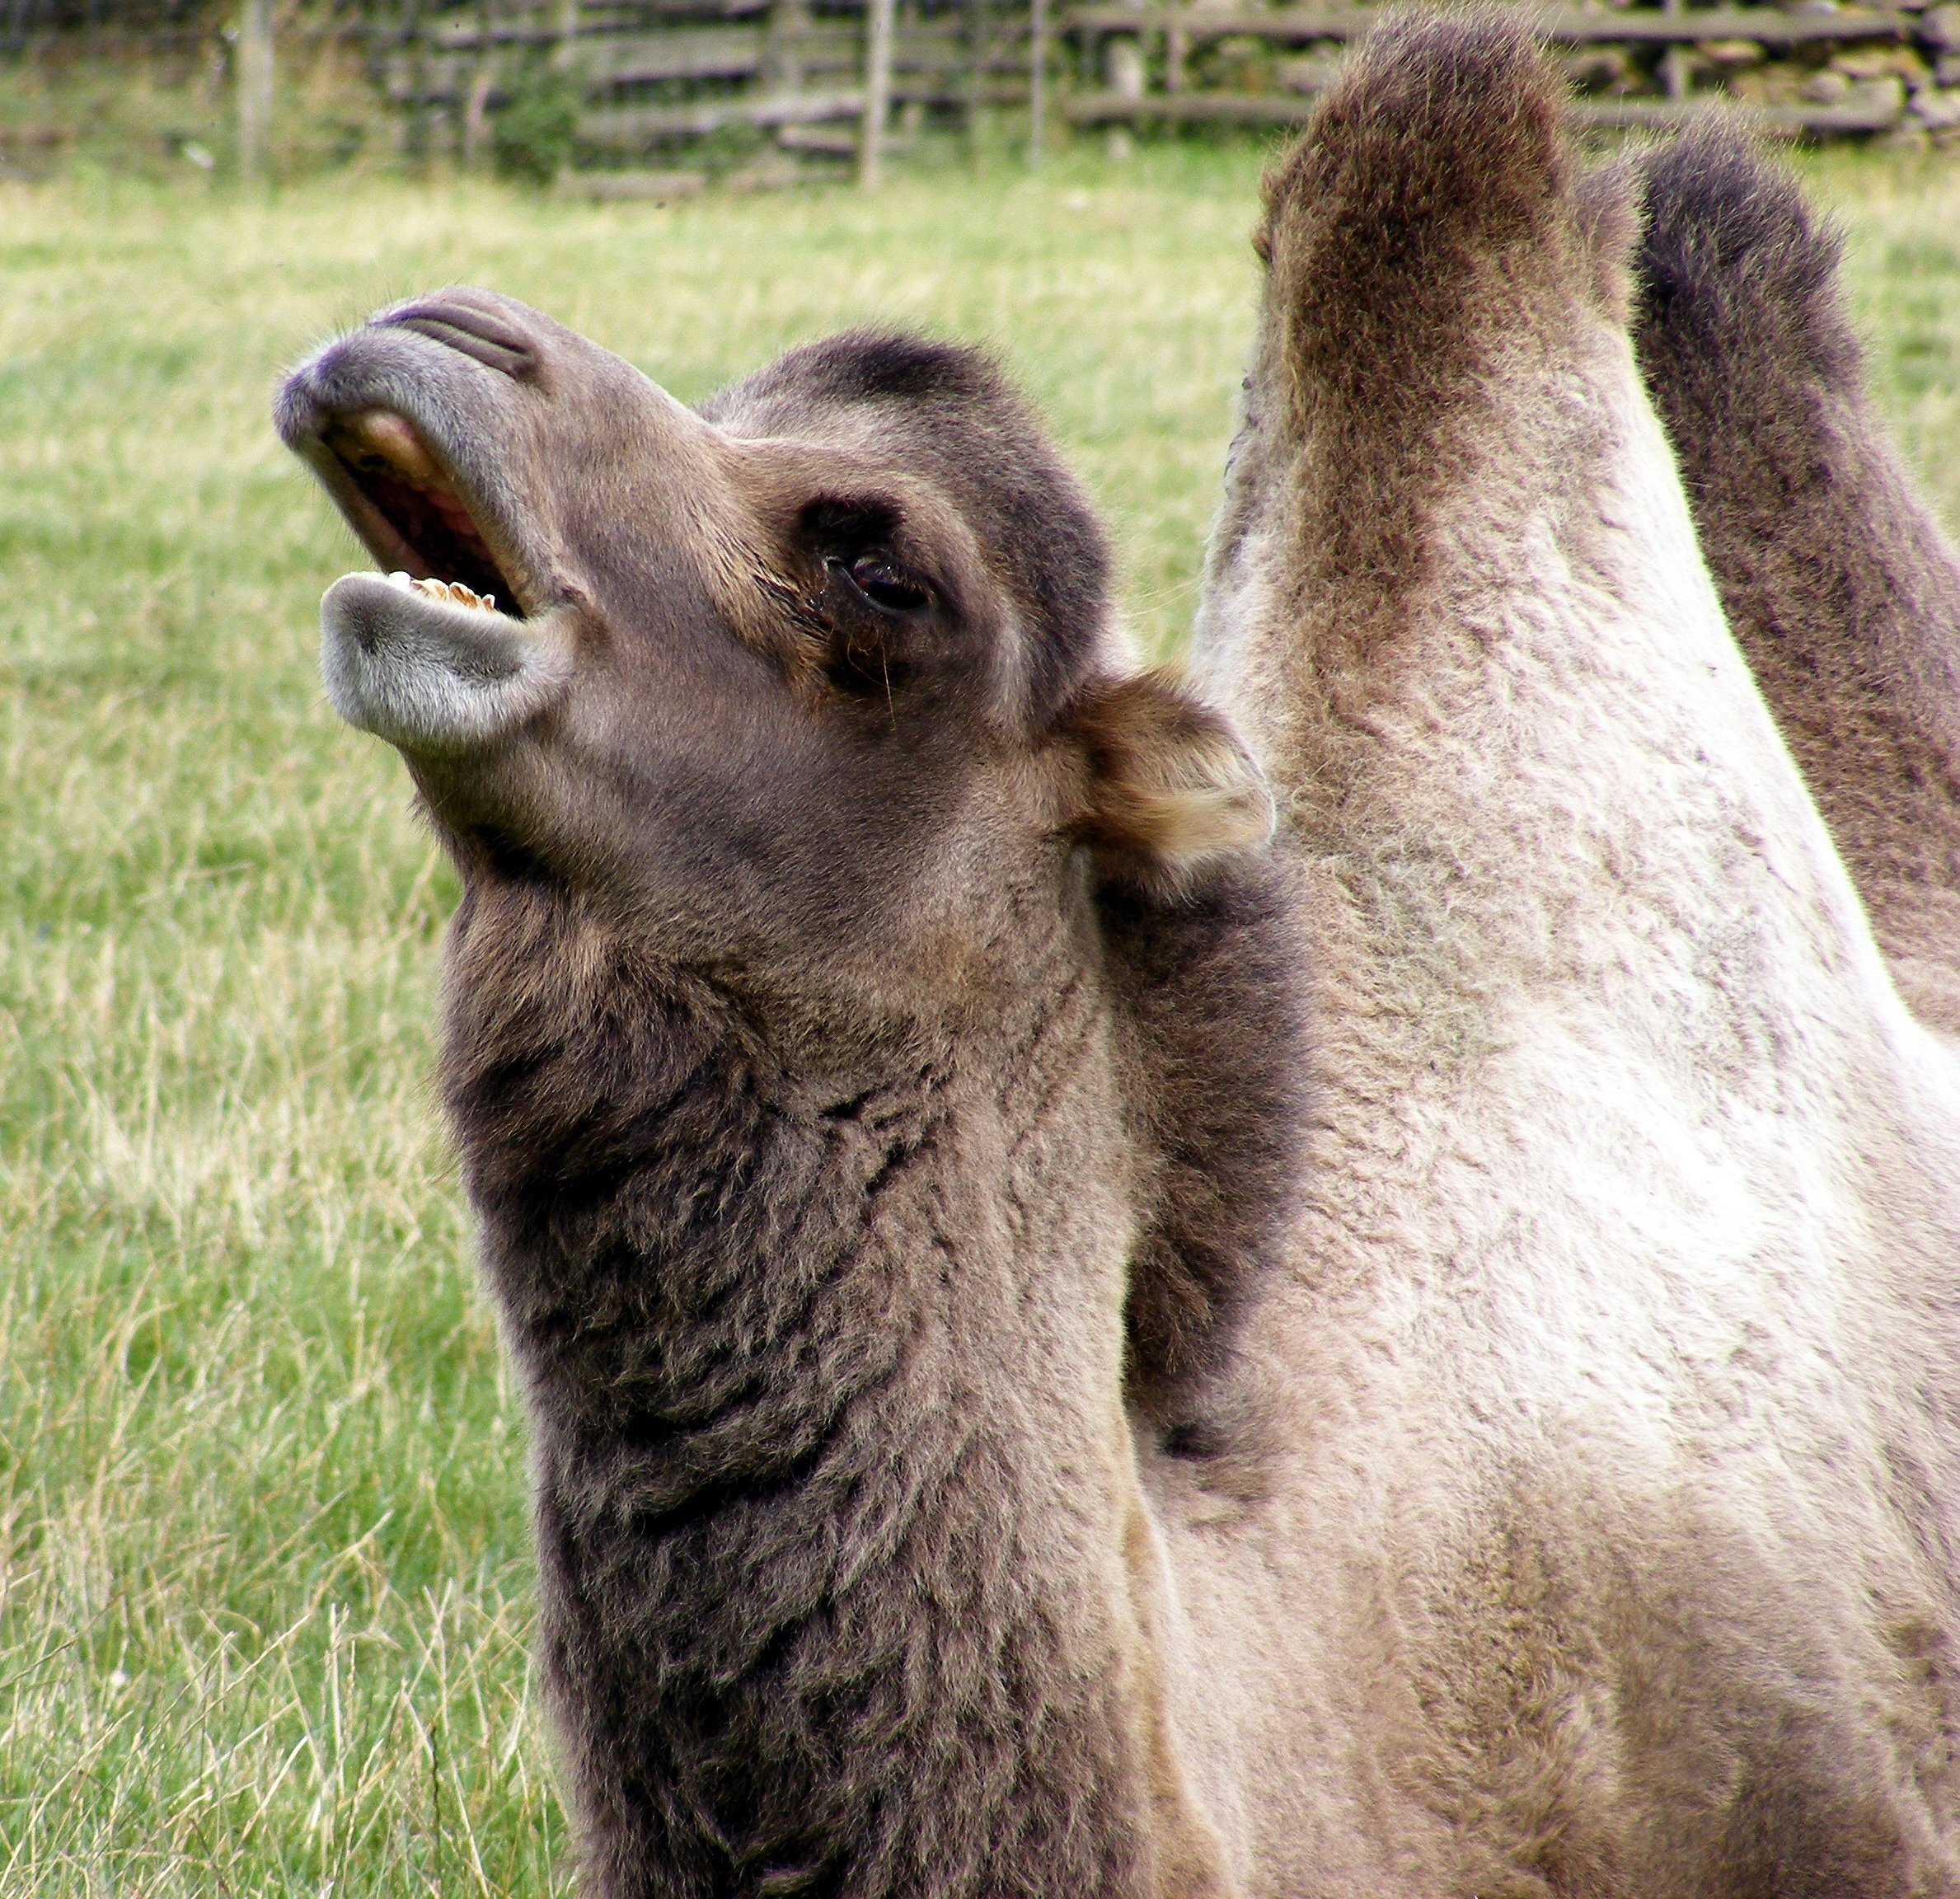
(1609, 1410)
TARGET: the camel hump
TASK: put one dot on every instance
(1430, 267)
(1734, 262)
(1426, 229)
(1438, 153)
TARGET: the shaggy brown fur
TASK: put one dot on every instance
(1836, 579)
(1388, 282)
(857, 973)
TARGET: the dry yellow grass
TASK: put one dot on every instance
(263, 1589)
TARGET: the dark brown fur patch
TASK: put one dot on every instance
(1839, 585)
(1209, 988)
(783, 1532)
(1427, 202)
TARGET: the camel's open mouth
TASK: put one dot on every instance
(395, 473)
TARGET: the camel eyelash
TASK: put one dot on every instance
(854, 536)
(884, 581)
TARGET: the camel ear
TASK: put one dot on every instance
(1169, 788)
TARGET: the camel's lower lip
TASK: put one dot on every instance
(386, 459)
(432, 667)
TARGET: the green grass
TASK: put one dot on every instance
(264, 1584)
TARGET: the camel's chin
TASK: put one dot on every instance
(429, 668)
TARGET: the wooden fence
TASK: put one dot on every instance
(657, 82)
(1815, 69)
(657, 94)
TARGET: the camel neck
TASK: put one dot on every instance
(824, 1378)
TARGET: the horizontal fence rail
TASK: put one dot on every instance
(1820, 69)
(1564, 26)
(776, 88)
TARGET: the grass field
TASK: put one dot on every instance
(264, 1586)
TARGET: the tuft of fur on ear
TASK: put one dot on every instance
(1170, 787)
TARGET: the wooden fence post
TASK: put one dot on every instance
(1124, 71)
(483, 81)
(1038, 61)
(1675, 65)
(415, 54)
(565, 49)
(255, 87)
(877, 92)
(788, 29)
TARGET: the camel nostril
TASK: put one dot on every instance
(492, 341)
(380, 442)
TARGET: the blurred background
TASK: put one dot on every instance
(658, 98)
(264, 1590)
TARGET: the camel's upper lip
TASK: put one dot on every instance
(403, 428)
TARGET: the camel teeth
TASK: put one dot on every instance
(453, 592)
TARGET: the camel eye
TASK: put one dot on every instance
(883, 582)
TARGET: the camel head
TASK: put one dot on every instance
(822, 674)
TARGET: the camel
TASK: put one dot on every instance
(859, 968)
(1836, 578)
(1337, 1280)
